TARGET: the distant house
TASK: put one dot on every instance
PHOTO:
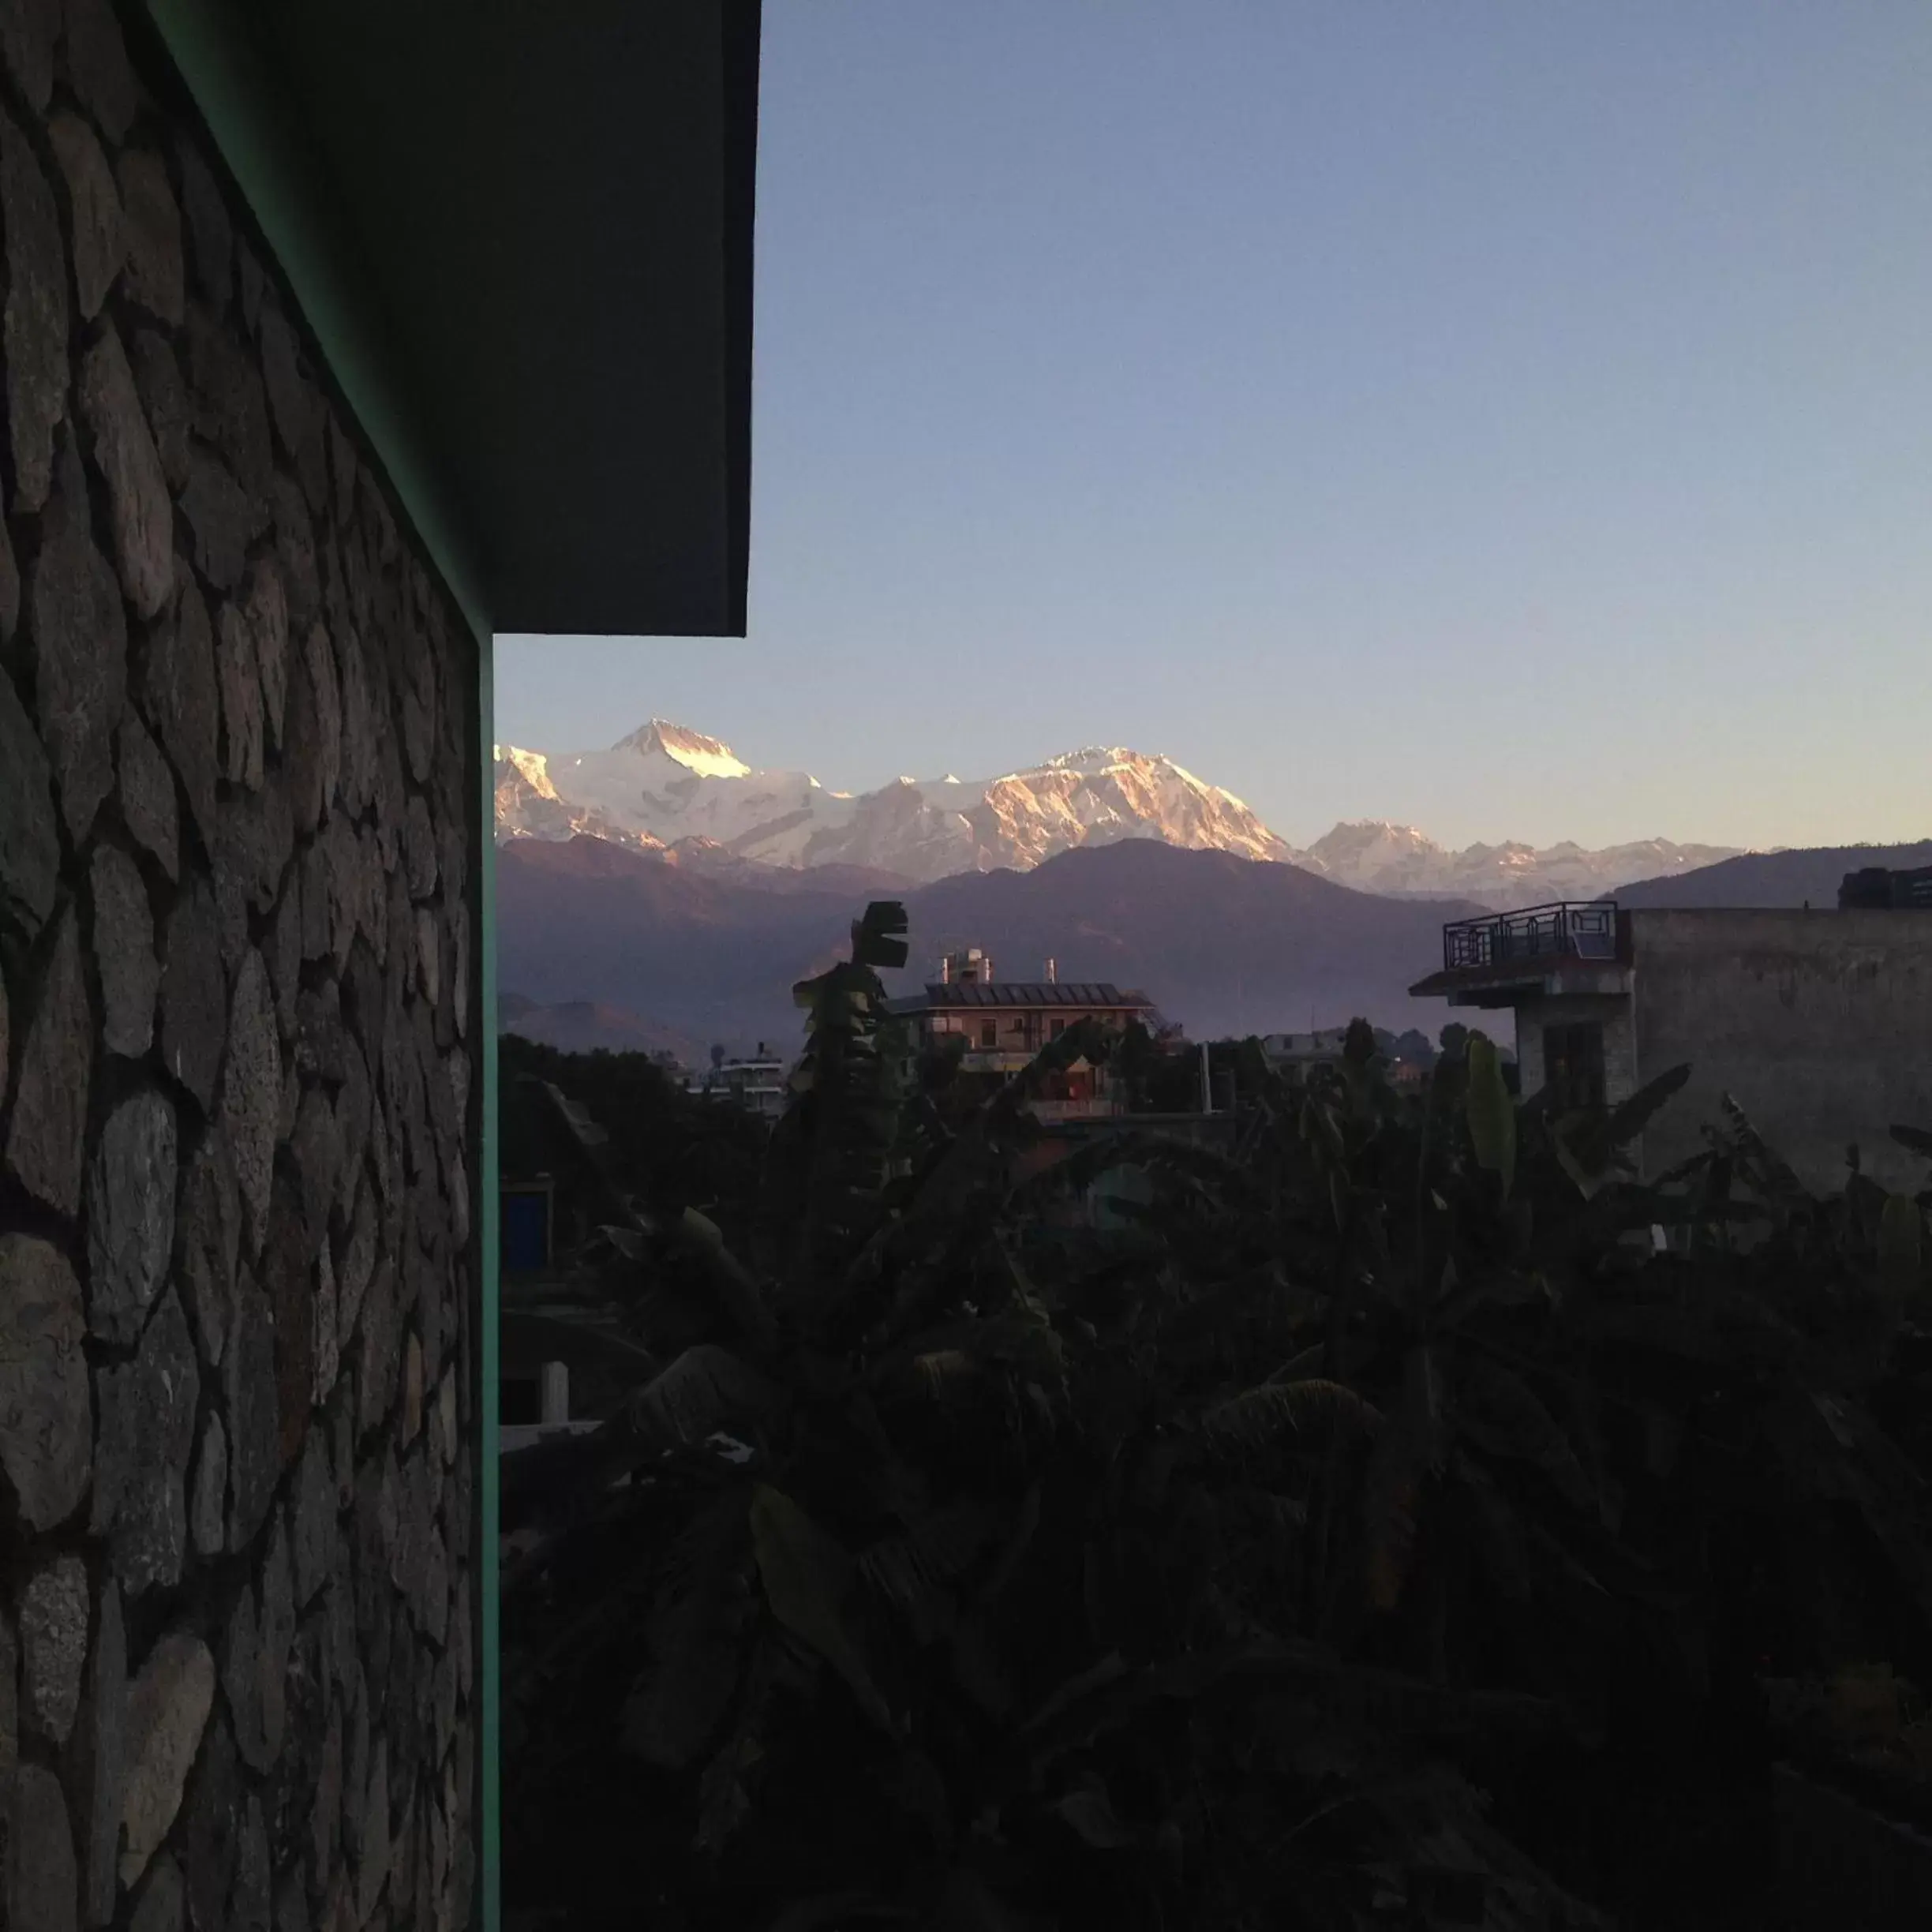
(1297, 1052)
(755, 1082)
(1005, 1023)
(1818, 1023)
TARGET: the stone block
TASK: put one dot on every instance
(373, 1872)
(97, 64)
(181, 698)
(240, 678)
(211, 234)
(254, 1413)
(251, 1092)
(287, 1259)
(46, 1142)
(163, 1903)
(46, 1413)
(164, 397)
(33, 328)
(327, 1328)
(147, 795)
(141, 514)
(130, 976)
(230, 409)
(293, 407)
(295, 548)
(29, 831)
(101, 1763)
(207, 1502)
(254, 1659)
(168, 1707)
(264, 607)
(47, 1876)
(210, 1238)
(358, 1266)
(354, 1105)
(81, 653)
(98, 247)
(152, 232)
(213, 1828)
(147, 1437)
(53, 1616)
(130, 1214)
(194, 1007)
(9, 588)
(222, 519)
(28, 30)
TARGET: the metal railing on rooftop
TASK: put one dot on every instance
(1569, 930)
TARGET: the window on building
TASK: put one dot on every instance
(989, 1033)
(1573, 1065)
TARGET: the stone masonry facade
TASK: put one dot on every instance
(238, 1003)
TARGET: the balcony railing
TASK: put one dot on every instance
(1570, 930)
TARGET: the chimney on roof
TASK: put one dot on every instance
(1052, 972)
(967, 966)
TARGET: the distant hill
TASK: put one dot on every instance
(710, 957)
(1222, 944)
(583, 1026)
(1806, 876)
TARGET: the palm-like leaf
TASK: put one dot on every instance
(1407, 1453)
(1313, 1407)
(807, 1575)
(696, 1638)
(1501, 1412)
(706, 1390)
(1490, 1111)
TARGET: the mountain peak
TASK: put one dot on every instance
(666, 784)
(532, 767)
(709, 758)
(1091, 758)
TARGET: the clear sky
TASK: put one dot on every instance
(1511, 418)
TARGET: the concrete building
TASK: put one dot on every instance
(337, 336)
(754, 1082)
(1295, 1053)
(1818, 1023)
(1004, 1025)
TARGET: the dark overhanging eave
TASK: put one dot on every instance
(543, 216)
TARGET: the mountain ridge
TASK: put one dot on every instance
(668, 790)
(1221, 943)
(1785, 880)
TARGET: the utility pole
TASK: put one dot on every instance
(1207, 1083)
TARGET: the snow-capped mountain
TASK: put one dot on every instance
(528, 805)
(668, 789)
(1375, 856)
(664, 784)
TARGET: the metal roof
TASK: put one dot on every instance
(1041, 993)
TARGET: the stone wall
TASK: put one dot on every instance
(237, 1114)
(1819, 1023)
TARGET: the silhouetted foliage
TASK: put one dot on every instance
(710, 1154)
(1375, 1524)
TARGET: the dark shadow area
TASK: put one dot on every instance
(1340, 1508)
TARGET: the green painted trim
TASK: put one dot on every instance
(251, 122)
(489, 1850)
